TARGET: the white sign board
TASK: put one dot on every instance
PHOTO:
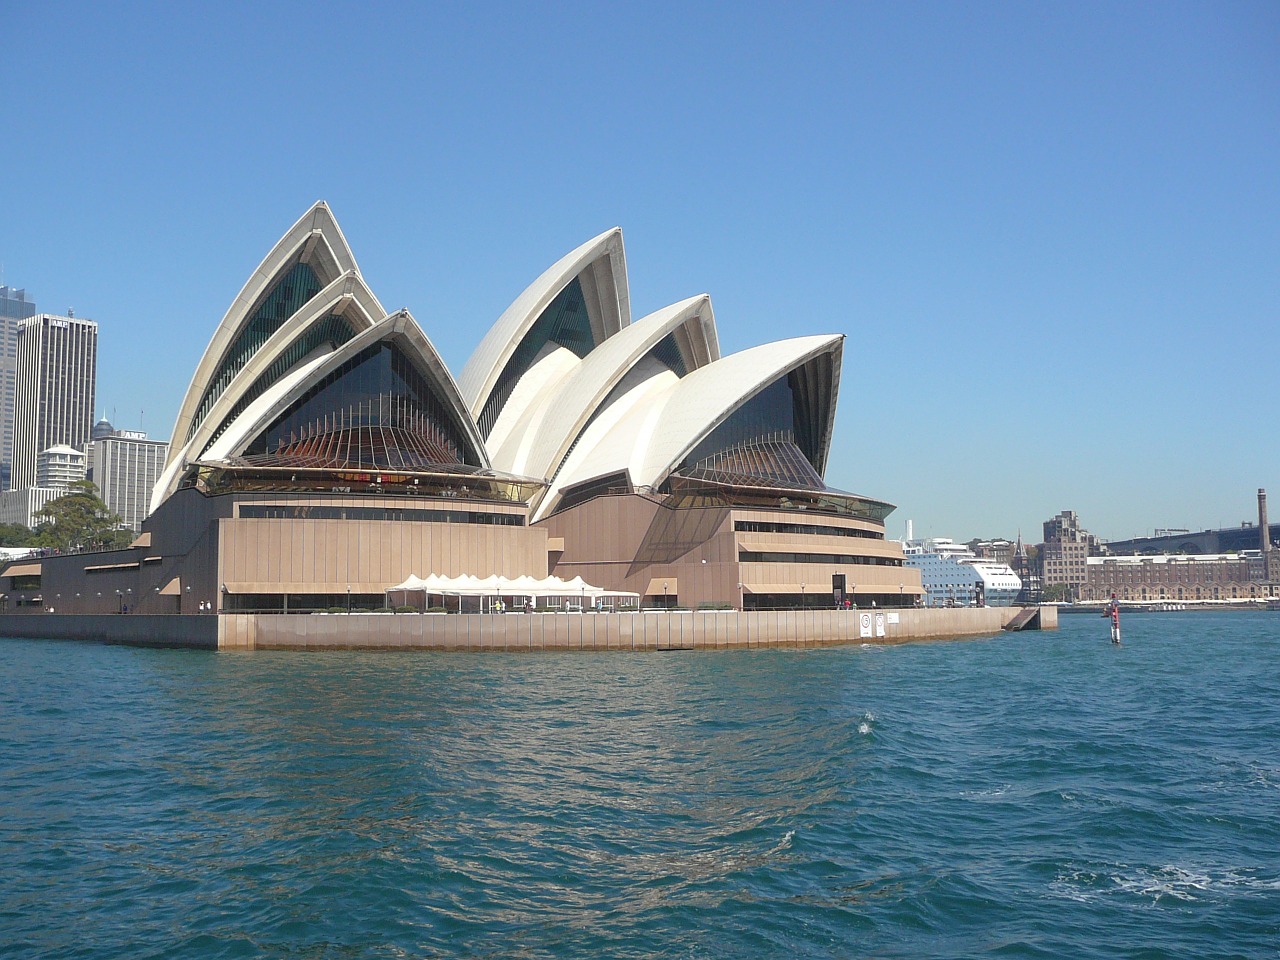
(879, 624)
(864, 624)
(893, 617)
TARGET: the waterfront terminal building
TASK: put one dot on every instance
(323, 453)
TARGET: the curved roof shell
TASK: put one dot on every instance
(563, 386)
(347, 297)
(549, 428)
(399, 328)
(653, 437)
(600, 267)
(314, 241)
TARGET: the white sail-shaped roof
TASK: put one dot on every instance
(316, 241)
(400, 327)
(549, 426)
(563, 387)
(599, 265)
(703, 400)
(661, 421)
(347, 297)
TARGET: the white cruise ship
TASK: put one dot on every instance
(954, 577)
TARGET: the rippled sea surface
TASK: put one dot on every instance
(1028, 795)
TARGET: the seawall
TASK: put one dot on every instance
(659, 630)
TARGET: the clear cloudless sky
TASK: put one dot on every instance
(1050, 232)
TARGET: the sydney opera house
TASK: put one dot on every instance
(323, 453)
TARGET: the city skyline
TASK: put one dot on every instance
(1049, 236)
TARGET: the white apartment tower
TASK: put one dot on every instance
(55, 376)
(60, 466)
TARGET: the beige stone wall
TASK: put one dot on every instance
(201, 543)
(657, 630)
(327, 556)
(630, 542)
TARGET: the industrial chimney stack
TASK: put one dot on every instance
(1270, 556)
(1262, 520)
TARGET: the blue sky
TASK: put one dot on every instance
(1051, 232)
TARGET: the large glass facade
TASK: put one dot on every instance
(286, 298)
(376, 411)
(775, 438)
(757, 556)
(332, 332)
(768, 526)
(391, 514)
(769, 415)
(564, 322)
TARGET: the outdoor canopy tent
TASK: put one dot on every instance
(494, 586)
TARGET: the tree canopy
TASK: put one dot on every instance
(79, 521)
(16, 535)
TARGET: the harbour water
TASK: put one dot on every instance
(1027, 795)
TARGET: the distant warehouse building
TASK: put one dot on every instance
(1223, 576)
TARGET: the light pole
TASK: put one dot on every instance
(801, 596)
(742, 600)
(348, 598)
(900, 586)
(119, 602)
(664, 596)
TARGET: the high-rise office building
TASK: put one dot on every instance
(55, 377)
(14, 306)
(125, 466)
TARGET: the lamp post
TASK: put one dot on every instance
(802, 596)
(742, 600)
(119, 601)
(664, 596)
(348, 598)
(900, 586)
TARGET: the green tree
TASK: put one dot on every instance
(79, 521)
(16, 535)
(1057, 593)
